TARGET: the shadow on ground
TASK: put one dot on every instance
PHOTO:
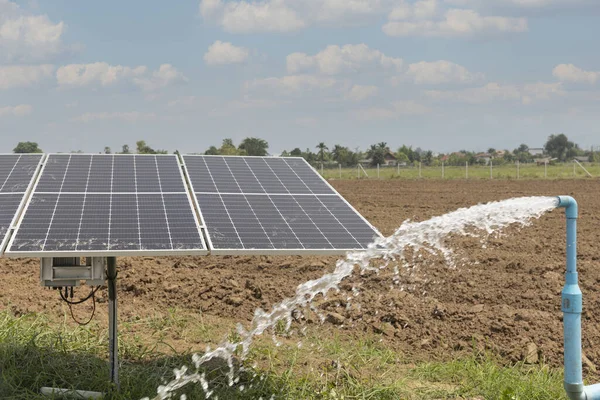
(25, 368)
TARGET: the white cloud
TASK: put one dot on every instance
(455, 23)
(493, 91)
(243, 16)
(16, 111)
(104, 74)
(95, 73)
(334, 60)
(438, 72)
(343, 10)
(292, 84)
(24, 36)
(132, 116)
(359, 92)
(23, 75)
(165, 75)
(571, 73)
(541, 91)
(526, 4)
(421, 17)
(220, 53)
(396, 110)
(423, 9)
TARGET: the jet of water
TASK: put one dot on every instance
(428, 235)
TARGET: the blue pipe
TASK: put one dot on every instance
(572, 305)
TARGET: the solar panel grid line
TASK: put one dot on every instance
(10, 173)
(194, 203)
(189, 190)
(137, 203)
(334, 216)
(344, 199)
(180, 210)
(56, 205)
(303, 210)
(130, 193)
(87, 183)
(223, 203)
(163, 203)
(110, 201)
(273, 194)
(21, 203)
(250, 206)
(292, 227)
(279, 211)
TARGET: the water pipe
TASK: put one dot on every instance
(572, 305)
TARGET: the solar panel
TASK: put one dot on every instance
(264, 205)
(17, 172)
(110, 204)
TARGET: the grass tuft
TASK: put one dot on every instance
(34, 352)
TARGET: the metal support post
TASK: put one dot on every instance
(113, 347)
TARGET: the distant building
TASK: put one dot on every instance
(390, 158)
(538, 151)
(483, 158)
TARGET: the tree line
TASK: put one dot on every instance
(557, 148)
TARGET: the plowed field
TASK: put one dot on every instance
(504, 297)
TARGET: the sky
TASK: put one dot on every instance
(183, 75)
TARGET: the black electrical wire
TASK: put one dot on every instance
(71, 303)
(74, 303)
(91, 316)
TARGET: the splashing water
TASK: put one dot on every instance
(428, 236)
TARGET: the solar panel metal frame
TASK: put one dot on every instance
(257, 252)
(109, 253)
(24, 200)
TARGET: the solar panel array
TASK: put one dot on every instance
(263, 204)
(17, 172)
(110, 204)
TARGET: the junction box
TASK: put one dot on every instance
(69, 271)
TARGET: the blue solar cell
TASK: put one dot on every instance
(272, 204)
(17, 172)
(111, 204)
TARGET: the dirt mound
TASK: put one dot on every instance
(504, 298)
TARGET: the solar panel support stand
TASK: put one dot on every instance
(111, 269)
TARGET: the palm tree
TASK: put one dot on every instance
(336, 152)
(322, 149)
(254, 146)
(382, 145)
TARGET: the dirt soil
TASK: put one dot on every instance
(504, 298)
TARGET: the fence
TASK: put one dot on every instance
(505, 171)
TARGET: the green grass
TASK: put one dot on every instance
(35, 352)
(529, 171)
